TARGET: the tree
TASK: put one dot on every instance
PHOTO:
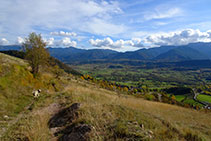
(36, 53)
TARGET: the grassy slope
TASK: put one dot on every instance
(104, 108)
(112, 115)
(16, 86)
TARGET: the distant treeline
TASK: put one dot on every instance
(179, 66)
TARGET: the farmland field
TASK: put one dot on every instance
(153, 77)
(180, 97)
(204, 98)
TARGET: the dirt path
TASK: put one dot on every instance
(52, 108)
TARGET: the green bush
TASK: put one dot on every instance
(149, 97)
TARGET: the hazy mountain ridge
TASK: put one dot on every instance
(193, 51)
(182, 53)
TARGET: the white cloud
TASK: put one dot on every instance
(4, 41)
(182, 37)
(54, 14)
(67, 42)
(50, 42)
(137, 42)
(109, 43)
(62, 33)
(64, 42)
(179, 38)
(20, 40)
(163, 13)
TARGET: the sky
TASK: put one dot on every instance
(122, 25)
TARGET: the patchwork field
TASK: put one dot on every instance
(205, 98)
(153, 77)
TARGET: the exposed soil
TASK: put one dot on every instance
(62, 126)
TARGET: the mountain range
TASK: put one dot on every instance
(192, 51)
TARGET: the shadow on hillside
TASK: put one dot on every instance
(62, 126)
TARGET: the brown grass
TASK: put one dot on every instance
(101, 108)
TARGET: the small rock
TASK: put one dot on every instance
(6, 117)
(150, 136)
(55, 130)
(142, 126)
(150, 132)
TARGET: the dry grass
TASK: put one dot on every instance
(116, 117)
(101, 108)
(7, 59)
(113, 116)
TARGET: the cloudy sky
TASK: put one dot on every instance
(118, 24)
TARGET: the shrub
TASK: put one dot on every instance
(149, 97)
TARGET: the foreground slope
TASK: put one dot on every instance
(111, 115)
(16, 86)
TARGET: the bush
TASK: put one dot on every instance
(149, 97)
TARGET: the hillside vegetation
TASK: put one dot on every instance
(111, 115)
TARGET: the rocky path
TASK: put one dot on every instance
(62, 123)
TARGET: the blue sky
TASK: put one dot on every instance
(119, 24)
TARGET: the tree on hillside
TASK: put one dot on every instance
(36, 53)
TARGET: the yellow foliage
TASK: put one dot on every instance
(82, 77)
(125, 89)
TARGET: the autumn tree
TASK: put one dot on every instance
(36, 52)
(125, 89)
